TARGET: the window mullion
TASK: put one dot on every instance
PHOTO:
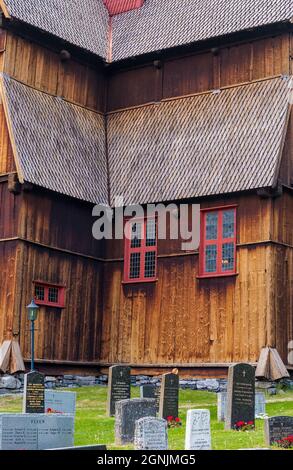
(220, 242)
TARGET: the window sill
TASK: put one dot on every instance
(215, 275)
(137, 281)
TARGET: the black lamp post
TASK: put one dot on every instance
(32, 310)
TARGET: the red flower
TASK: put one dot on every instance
(250, 423)
(169, 418)
(177, 420)
(240, 423)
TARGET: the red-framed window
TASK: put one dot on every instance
(51, 295)
(140, 250)
(218, 242)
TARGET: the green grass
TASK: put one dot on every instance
(93, 427)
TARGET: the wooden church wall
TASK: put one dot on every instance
(183, 319)
(72, 333)
(197, 73)
(43, 69)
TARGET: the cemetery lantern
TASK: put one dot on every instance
(32, 310)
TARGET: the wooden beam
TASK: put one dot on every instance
(10, 130)
(4, 9)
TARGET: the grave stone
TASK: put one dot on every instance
(260, 405)
(198, 430)
(35, 431)
(240, 395)
(147, 391)
(127, 413)
(34, 393)
(118, 387)
(151, 434)
(60, 402)
(169, 396)
(90, 447)
(277, 428)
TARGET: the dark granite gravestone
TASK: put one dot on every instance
(147, 391)
(34, 393)
(241, 395)
(151, 434)
(169, 396)
(118, 387)
(277, 428)
(129, 411)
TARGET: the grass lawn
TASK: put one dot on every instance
(93, 427)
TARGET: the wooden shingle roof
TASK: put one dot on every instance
(58, 145)
(157, 25)
(82, 23)
(218, 142)
(214, 143)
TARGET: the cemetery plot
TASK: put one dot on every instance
(34, 393)
(60, 402)
(151, 434)
(127, 413)
(169, 396)
(35, 431)
(241, 397)
(278, 429)
(118, 387)
(198, 430)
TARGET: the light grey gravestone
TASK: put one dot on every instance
(169, 396)
(151, 434)
(198, 430)
(35, 431)
(60, 402)
(260, 405)
(240, 395)
(118, 387)
(277, 428)
(127, 413)
(34, 393)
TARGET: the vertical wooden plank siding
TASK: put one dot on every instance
(42, 69)
(197, 73)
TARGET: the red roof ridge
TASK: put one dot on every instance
(115, 7)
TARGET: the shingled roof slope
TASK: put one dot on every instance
(168, 23)
(81, 23)
(215, 143)
(60, 146)
(157, 25)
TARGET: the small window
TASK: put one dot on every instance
(50, 295)
(140, 260)
(218, 242)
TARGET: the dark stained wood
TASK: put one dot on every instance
(197, 73)
(180, 319)
(72, 333)
(134, 87)
(43, 69)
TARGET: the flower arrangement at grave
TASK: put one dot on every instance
(244, 426)
(285, 443)
(174, 422)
